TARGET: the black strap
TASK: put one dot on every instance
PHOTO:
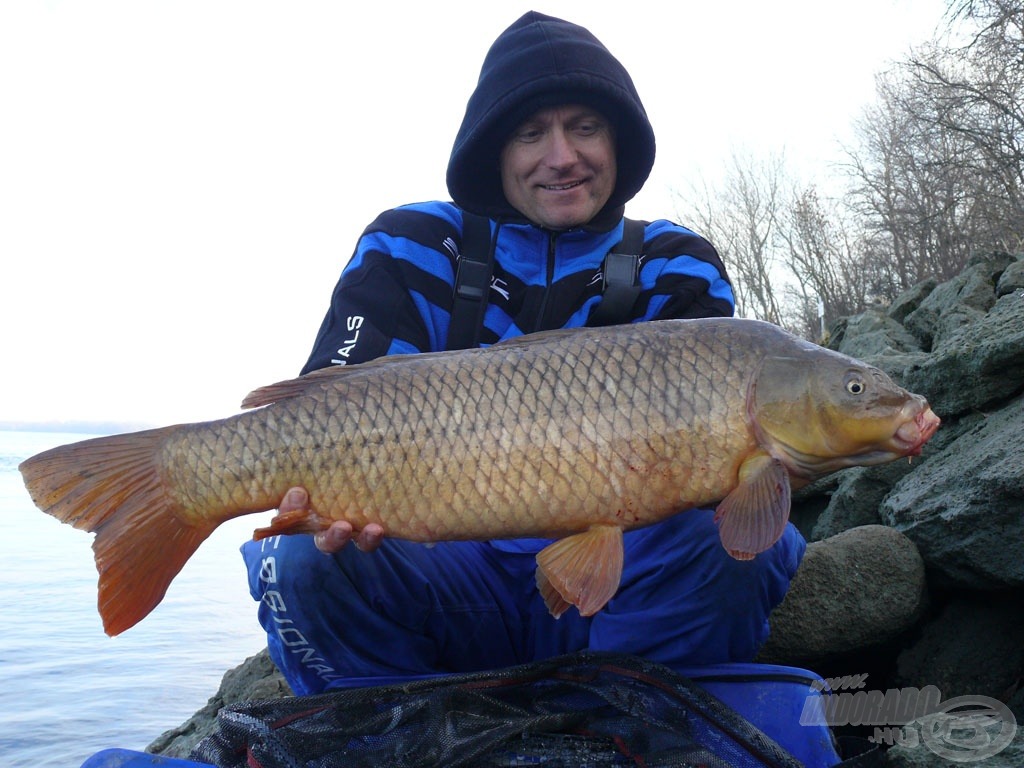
(620, 288)
(472, 282)
(621, 277)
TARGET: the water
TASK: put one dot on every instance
(66, 689)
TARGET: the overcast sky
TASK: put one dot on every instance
(182, 182)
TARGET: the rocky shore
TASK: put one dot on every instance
(914, 574)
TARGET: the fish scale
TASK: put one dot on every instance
(572, 435)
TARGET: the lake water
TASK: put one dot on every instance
(66, 689)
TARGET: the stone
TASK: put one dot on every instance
(974, 289)
(1012, 279)
(857, 497)
(973, 647)
(964, 509)
(853, 590)
(255, 678)
(873, 334)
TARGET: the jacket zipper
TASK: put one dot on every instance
(541, 323)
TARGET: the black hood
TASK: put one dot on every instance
(539, 62)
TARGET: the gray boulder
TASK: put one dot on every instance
(854, 590)
(967, 650)
(857, 497)
(973, 647)
(978, 362)
(872, 335)
(964, 509)
(961, 345)
(254, 679)
(919, 755)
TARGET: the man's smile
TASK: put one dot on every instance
(560, 187)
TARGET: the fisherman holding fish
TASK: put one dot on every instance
(554, 142)
(561, 475)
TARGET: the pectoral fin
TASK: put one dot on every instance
(582, 570)
(754, 515)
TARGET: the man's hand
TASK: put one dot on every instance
(339, 533)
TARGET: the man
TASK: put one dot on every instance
(554, 142)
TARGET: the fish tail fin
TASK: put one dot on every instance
(113, 486)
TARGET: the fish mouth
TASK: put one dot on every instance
(911, 436)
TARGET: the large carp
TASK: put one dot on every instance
(575, 435)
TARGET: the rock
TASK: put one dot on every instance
(939, 656)
(980, 365)
(854, 590)
(974, 647)
(872, 334)
(857, 497)
(255, 678)
(964, 509)
(968, 295)
(911, 299)
(920, 755)
(1012, 279)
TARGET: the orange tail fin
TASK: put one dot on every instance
(112, 486)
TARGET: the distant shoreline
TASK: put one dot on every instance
(77, 427)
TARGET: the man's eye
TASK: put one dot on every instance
(529, 134)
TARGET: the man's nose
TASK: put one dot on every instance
(561, 150)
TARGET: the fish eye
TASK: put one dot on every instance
(855, 384)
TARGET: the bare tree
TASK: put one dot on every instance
(936, 173)
(739, 217)
(829, 275)
(916, 188)
(975, 92)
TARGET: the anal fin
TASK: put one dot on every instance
(582, 570)
(295, 521)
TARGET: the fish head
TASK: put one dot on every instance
(819, 411)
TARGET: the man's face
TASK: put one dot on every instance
(558, 167)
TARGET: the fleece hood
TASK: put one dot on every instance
(539, 62)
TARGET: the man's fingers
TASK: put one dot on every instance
(369, 538)
(295, 499)
(340, 533)
(334, 538)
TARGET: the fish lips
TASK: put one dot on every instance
(915, 432)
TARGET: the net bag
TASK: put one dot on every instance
(584, 709)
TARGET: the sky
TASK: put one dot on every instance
(181, 182)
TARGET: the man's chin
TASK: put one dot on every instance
(563, 218)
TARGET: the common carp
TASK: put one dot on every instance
(575, 435)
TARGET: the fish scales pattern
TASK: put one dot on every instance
(545, 438)
(572, 442)
(464, 446)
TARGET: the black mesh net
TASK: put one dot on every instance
(586, 709)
